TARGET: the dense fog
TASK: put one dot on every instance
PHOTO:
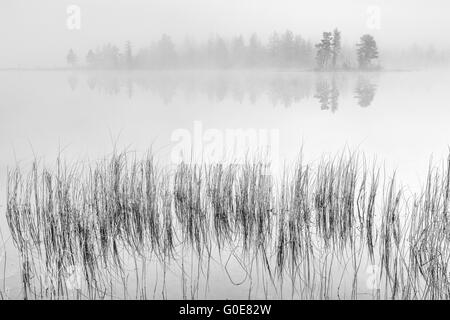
(205, 33)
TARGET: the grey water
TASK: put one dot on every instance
(399, 118)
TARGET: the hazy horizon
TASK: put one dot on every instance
(156, 149)
(42, 38)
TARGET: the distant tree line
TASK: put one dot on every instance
(286, 50)
(329, 49)
(282, 50)
(416, 56)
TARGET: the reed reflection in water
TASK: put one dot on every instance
(129, 228)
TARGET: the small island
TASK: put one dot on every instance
(285, 51)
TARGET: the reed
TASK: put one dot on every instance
(317, 225)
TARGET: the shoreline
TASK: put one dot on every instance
(274, 70)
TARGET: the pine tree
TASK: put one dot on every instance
(128, 55)
(274, 48)
(255, 51)
(367, 51)
(221, 53)
(90, 58)
(336, 46)
(324, 50)
(166, 52)
(71, 58)
(288, 48)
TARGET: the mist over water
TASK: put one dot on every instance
(133, 136)
(40, 34)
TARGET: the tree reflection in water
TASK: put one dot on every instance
(365, 91)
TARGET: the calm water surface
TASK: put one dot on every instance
(401, 118)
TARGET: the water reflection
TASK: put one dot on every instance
(327, 94)
(365, 92)
(285, 89)
(72, 80)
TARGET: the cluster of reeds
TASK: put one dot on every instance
(316, 225)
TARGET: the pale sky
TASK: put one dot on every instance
(35, 33)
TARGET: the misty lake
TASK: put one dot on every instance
(401, 119)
